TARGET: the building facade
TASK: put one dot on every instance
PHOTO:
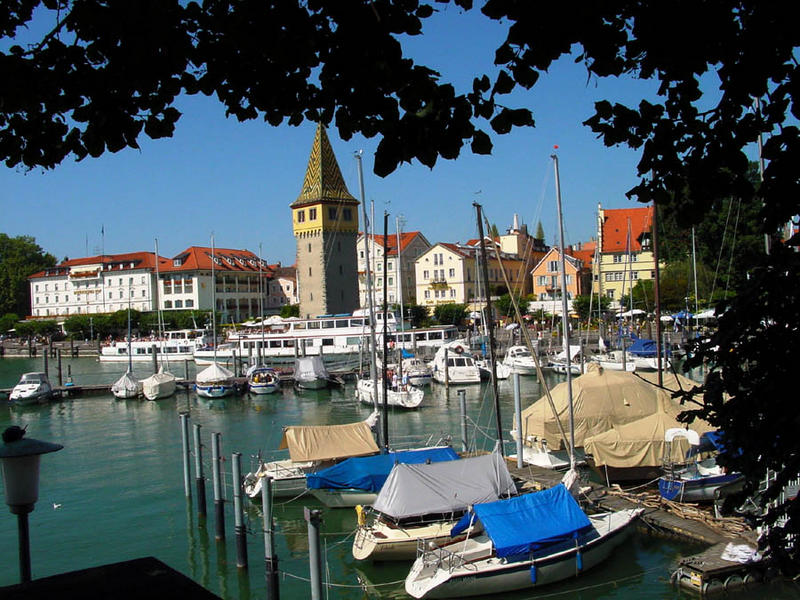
(624, 237)
(450, 273)
(325, 226)
(400, 276)
(282, 288)
(547, 284)
(95, 285)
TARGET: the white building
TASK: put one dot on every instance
(97, 284)
(400, 275)
(282, 288)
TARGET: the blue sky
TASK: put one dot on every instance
(237, 180)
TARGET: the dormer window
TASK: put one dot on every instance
(177, 262)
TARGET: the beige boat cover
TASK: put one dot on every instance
(326, 442)
(602, 399)
(640, 443)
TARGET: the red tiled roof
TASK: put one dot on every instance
(199, 258)
(405, 239)
(615, 228)
(140, 260)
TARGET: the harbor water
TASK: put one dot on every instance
(115, 492)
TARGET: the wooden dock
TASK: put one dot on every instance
(705, 573)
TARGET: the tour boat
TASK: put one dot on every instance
(175, 345)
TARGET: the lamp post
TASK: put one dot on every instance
(19, 459)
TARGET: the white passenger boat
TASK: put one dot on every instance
(549, 539)
(33, 388)
(458, 368)
(175, 345)
(335, 337)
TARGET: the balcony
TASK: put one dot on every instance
(437, 283)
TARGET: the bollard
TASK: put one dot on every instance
(200, 482)
(60, 377)
(155, 359)
(219, 503)
(462, 401)
(271, 559)
(69, 374)
(186, 370)
(314, 519)
(238, 511)
(185, 445)
(518, 414)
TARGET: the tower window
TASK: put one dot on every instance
(347, 214)
(309, 271)
(312, 214)
(301, 216)
(332, 213)
(309, 247)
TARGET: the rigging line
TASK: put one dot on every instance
(733, 245)
(721, 247)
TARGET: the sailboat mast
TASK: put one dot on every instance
(565, 314)
(384, 380)
(370, 303)
(490, 329)
(260, 302)
(657, 294)
(694, 272)
(399, 292)
(213, 302)
(158, 300)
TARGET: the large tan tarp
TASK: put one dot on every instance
(640, 443)
(602, 399)
(326, 442)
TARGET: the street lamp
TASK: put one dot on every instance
(19, 460)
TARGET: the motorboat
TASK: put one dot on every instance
(215, 381)
(694, 480)
(520, 360)
(402, 396)
(613, 361)
(416, 371)
(644, 354)
(559, 362)
(501, 371)
(262, 379)
(423, 502)
(33, 388)
(159, 385)
(311, 448)
(525, 542)
(357, 481)
(458, 368)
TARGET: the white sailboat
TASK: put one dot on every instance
(161, 384)
(215, 381)
(128, 386)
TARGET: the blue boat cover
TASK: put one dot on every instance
(370, 472)
(525, 523)
(645, 348)
(405, 353)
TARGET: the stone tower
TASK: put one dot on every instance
(325, 225)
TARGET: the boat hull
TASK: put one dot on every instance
(381, 542)
(220, 390)
(491, 575)
(347, 498)
(699, 489)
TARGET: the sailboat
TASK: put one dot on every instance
(261, 379)
(215, 381)
(525, 541)
(161, 384)
(128, 386)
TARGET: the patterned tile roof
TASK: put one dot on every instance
(323, 180)
(615, 228)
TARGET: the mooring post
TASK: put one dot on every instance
(200, 482)
(155, 358)
(314, 519)
(60, 378)
(518, 415)
(44, 357)
(271, 559)
(238, 511)
(462, 402)
(185, 445)
(186, 370)
(219, 503)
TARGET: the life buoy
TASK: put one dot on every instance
(458, 349)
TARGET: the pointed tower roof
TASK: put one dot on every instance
(323, 179)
